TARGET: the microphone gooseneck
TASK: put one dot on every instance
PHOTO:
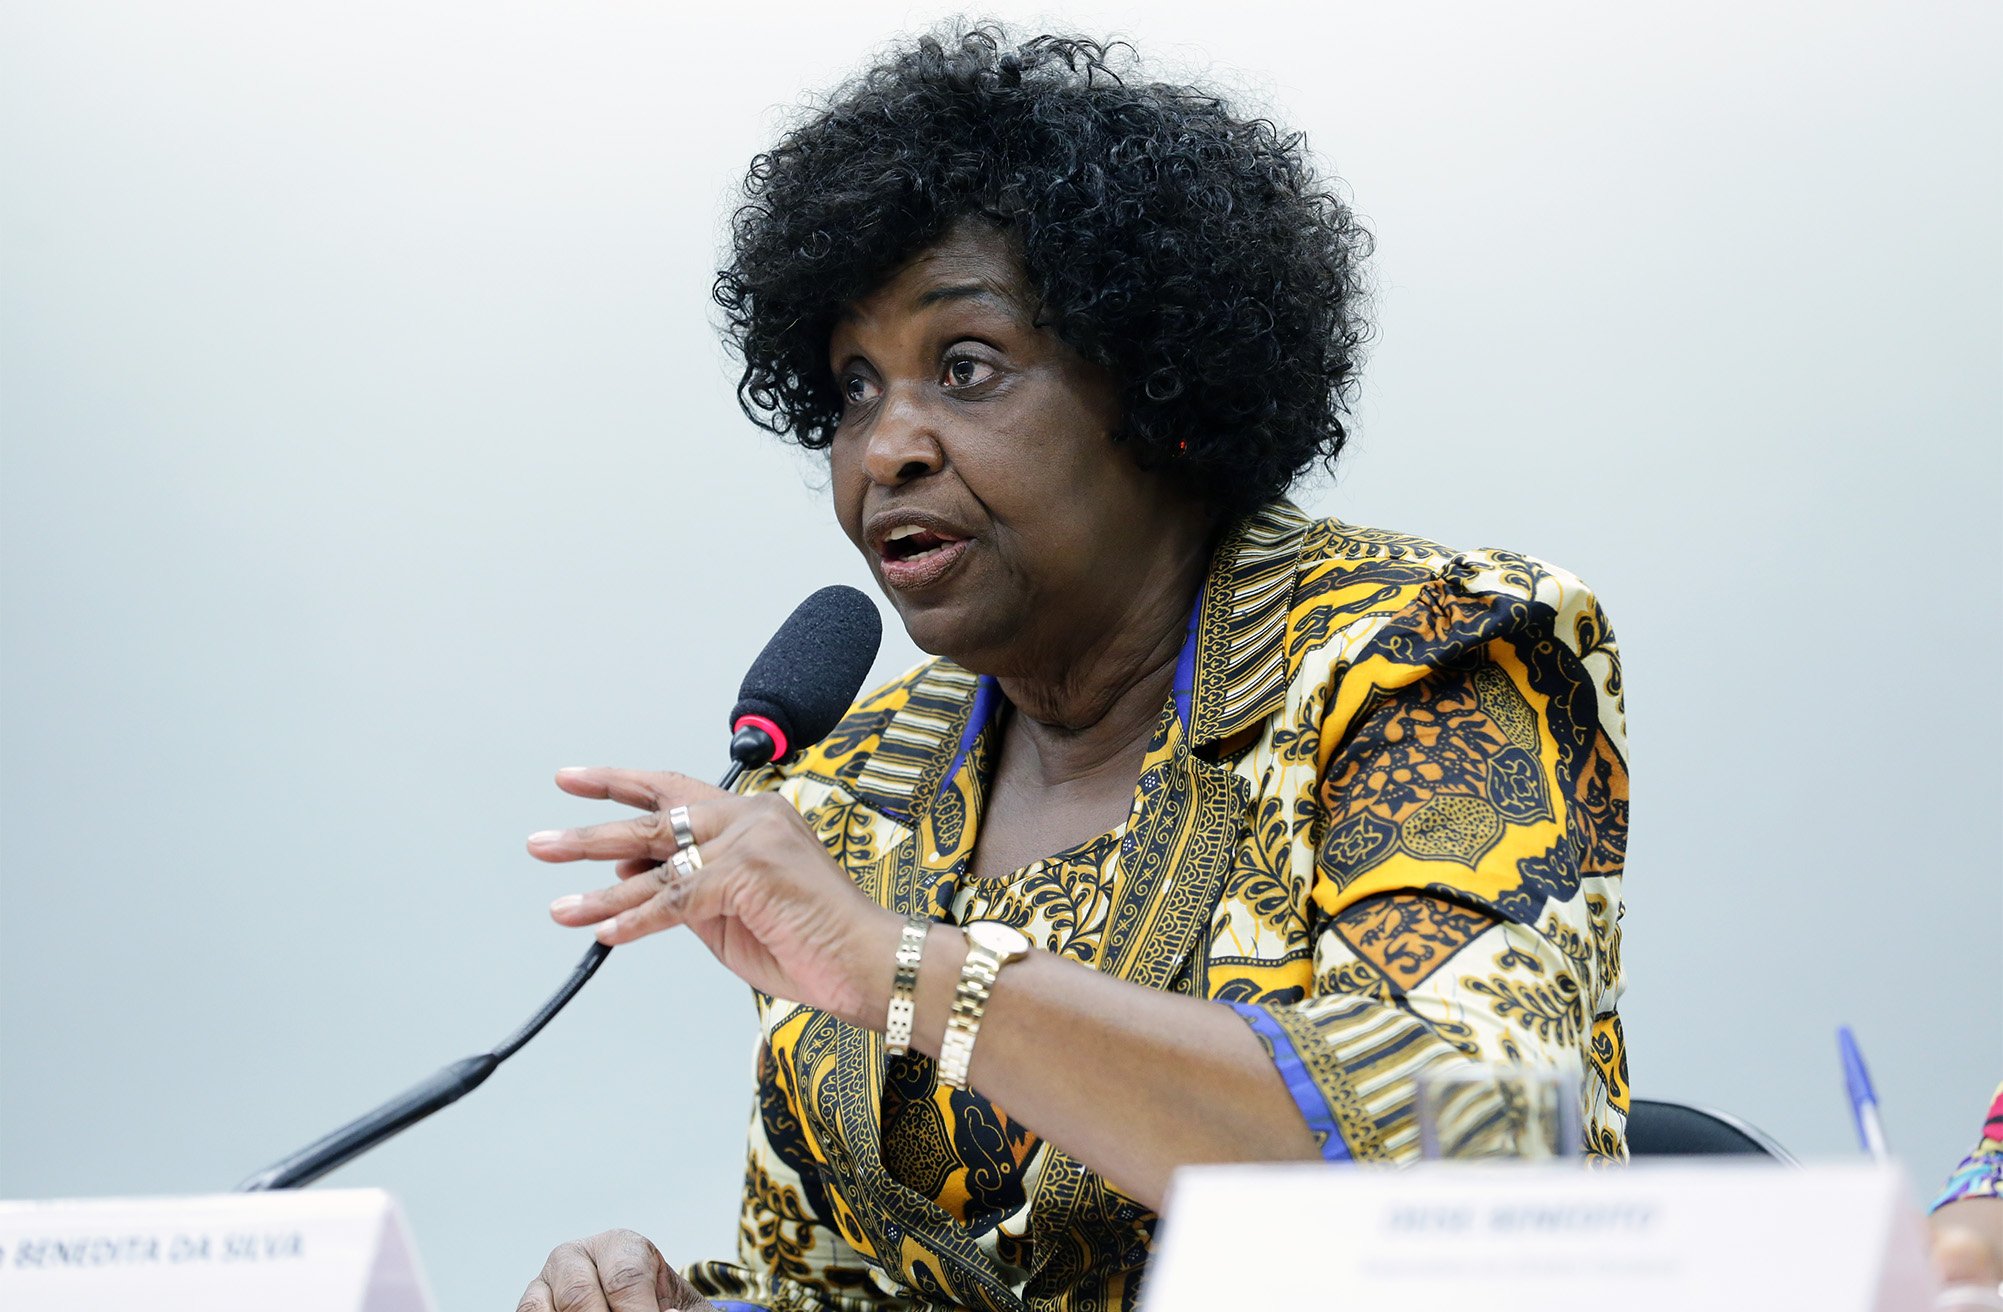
(794, 693)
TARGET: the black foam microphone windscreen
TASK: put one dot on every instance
(811, 670)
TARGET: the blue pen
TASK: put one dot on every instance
(1863, 1101)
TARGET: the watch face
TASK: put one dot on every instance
(1002, 940)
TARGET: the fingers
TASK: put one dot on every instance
(663, 901)
(729, 834)
(631, 1271)
(605, 903)
(645, 899)
(648, 790)
(618, 1271)
(649, 838)
(1962, 1256)
(632, 1282)
(570, 1280)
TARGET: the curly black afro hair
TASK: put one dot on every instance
(1194, 254)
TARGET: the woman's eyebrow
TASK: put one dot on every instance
(966, 291)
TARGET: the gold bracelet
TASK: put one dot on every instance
(904, 986)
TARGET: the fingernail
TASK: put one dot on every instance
(544, 837)
(575, 769)
(567, 903)
(608, 929)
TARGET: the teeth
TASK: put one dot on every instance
(906, 531)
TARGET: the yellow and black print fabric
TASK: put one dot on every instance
(1384, 818)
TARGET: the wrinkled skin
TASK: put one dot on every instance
(618, 1271)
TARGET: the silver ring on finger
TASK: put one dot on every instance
(684, 867)
(678, 820)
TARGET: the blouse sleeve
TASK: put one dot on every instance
(1465, 902)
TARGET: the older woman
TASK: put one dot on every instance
(1211, 826)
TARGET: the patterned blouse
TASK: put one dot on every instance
(1980, 1174)
(1383, 815)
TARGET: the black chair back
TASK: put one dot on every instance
(1679, 1129)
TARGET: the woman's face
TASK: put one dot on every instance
(975, 467)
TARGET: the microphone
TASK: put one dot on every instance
(794, 693)
(803, 682)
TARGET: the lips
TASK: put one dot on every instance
(924, 569)
(915, 549)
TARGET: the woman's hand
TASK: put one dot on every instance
(618, 1271)
(1968, 1253)
(768, 902)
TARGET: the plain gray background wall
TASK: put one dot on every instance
(369, 454)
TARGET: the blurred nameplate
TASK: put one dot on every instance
(334, 1250)
(1454, 1236)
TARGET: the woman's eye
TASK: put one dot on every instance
(963, 371)
(856, 389)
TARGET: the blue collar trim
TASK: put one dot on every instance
(988, 698)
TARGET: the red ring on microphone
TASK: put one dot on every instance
(772, 731)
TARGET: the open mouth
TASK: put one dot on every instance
(914, 556)
(912, 543)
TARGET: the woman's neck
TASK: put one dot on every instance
(1084, 711)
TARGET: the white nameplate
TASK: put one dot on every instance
(1450, 1237)
(334, 1250)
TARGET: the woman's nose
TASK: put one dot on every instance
(904, 441)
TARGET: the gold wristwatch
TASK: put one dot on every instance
(990, 946)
